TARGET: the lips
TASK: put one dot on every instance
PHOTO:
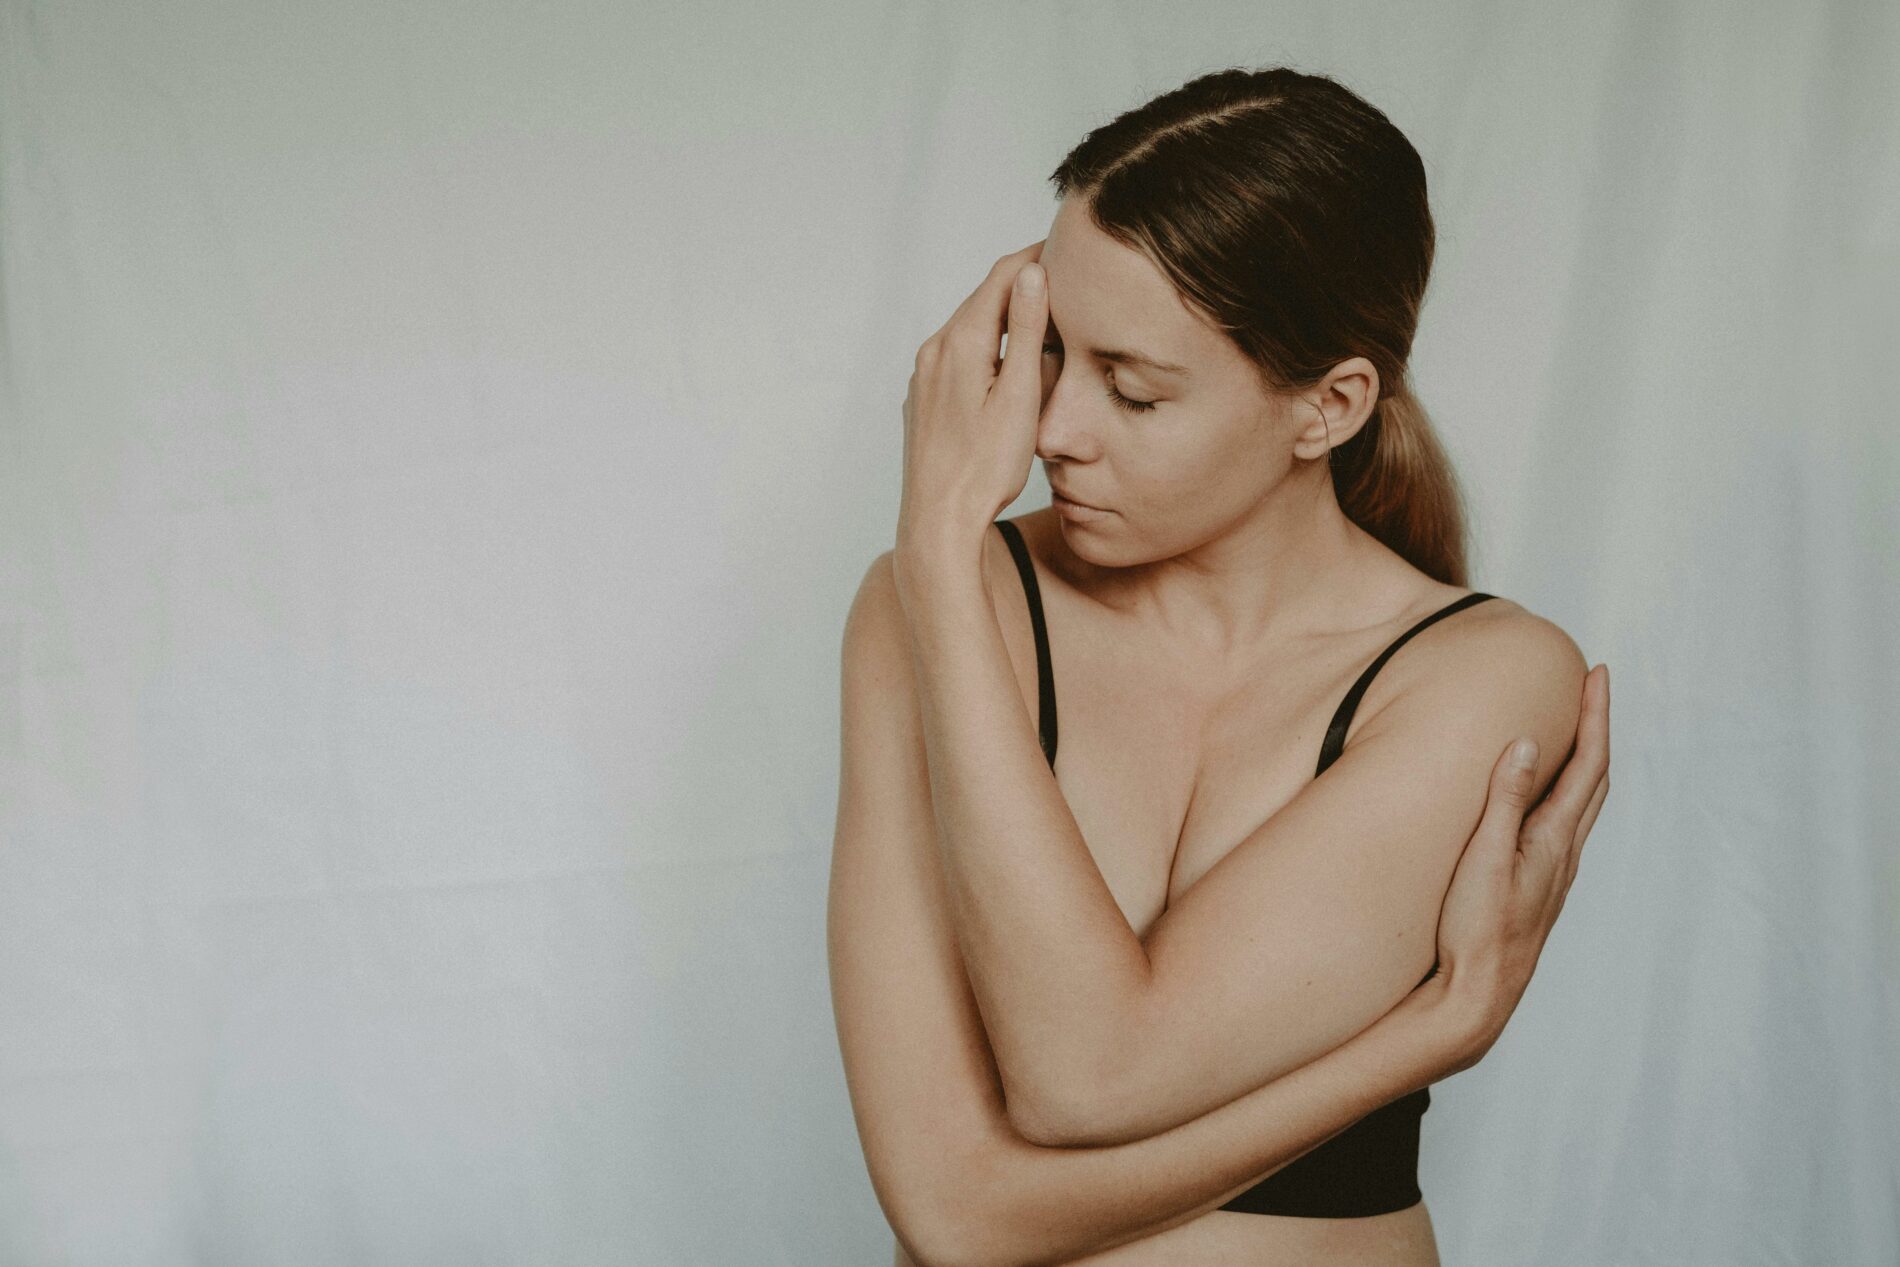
(1076, 500)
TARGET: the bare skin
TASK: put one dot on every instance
(1148, 730)
(928, 1106)
(1197, 674)
(1222, 1238)
(1139, 722)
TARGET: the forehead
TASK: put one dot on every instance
(1102, 289)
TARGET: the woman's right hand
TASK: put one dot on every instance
(1511, 882)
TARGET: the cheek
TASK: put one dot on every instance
(1205, 471)
(1189, 459)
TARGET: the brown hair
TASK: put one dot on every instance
(1293, 213)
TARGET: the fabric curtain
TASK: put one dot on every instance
(441, 442)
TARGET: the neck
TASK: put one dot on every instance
(1293, 564)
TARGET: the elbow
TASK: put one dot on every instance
(929, 1235)
(951, 1209)
(949, 1253)
(1069, 1121)
(1101, 1111)
(960, 1234)
(1072, 1103)
(1097, 1096)
(1051, 1111)
(1095, 1100)
(1038, 1123)
(930, 1243)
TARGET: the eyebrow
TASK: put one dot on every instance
(1122, 356)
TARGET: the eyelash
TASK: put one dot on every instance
(1120, 401)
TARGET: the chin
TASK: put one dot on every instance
(1099, 543)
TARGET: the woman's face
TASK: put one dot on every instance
(1185, 451)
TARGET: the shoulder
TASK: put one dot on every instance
(876, 622)
(874, 627)
(876, 643)
(880, 718)
(1488, 673)
(1516, 648)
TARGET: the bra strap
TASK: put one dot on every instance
(1342, 719)
(1045, 676)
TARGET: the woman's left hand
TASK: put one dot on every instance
(970, 419)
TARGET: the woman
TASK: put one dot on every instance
(1178, 1000)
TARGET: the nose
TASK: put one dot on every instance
(1062, 428)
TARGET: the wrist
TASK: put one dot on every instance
(1470, 1013)
(1449, 1021)
(929, 557)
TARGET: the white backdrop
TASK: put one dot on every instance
(441, 442)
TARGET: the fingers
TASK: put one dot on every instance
(994, 283)
(978, 321)
(1020, 379)
(1589, 820)
(1512, 777)
(1596, 803)
(1568, 798)
(1598, 720)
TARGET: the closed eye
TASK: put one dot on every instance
(1124, 403)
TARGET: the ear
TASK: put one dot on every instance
(1337, 406)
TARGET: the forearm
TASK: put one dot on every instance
(1041, 1205)
(1055, 968)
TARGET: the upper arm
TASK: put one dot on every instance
(1326, 915)
(923, 1085)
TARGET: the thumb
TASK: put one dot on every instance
(1510, 795)
(1020, 379)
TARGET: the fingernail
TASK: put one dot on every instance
(1029, 279)
(1524, 754)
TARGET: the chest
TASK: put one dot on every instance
(1166, 775)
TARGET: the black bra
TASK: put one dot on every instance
(1372, 1166)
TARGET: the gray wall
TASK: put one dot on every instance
(441, 442)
